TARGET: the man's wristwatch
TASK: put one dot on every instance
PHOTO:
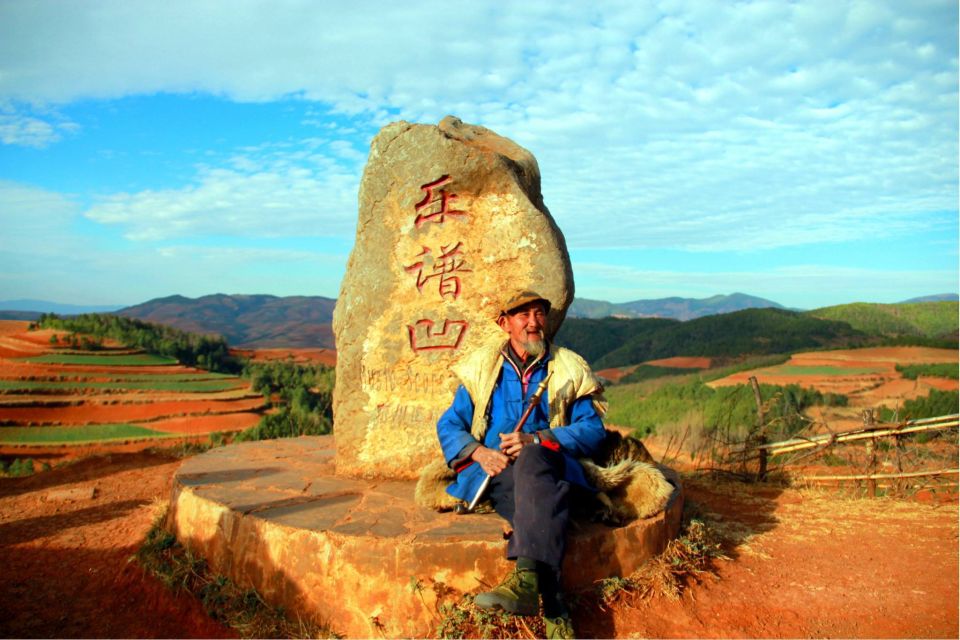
(536, 439)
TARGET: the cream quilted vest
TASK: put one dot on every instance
(571, 380)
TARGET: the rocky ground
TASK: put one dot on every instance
(802, 563)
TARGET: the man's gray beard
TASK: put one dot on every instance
(535, 349)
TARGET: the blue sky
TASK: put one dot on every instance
(805, 152)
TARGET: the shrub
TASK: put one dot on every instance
(728, 411)
(206, 352)
(937, 403)
(287, 423)
(937, 370)
(306, 399)
(21, 467)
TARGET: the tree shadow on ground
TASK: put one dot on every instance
(82, 470)
(79, 592)
(18, 531)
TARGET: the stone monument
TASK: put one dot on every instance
(450, 220)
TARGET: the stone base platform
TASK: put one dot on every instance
(350, 553)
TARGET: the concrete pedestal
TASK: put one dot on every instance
(272, 515)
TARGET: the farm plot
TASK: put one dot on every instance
(107, 359)
(145, 411)
(868, 377)
(157, 384)
(52, 395)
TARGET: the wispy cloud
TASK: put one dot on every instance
(700, 126)
(705, 126)
(303, 189)
(18, 128)
(44, 256)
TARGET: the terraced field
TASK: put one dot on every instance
(868, 377)
(53, 395)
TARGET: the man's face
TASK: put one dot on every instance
(525, 327)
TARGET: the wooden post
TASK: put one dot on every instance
(869, 424)
(761, 436)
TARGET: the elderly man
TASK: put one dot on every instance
(534, 472)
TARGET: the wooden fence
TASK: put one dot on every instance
(871, 431)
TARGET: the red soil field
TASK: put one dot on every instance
(112, 413)
(206, 424)
(943, 384)
(186, 413)
(884, 386)
(326, 357)
(134, 397)
(13, 369)
(615, 374)
(874, 355)
(12, 326)
(682, 362)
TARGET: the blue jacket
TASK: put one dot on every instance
(581, 437)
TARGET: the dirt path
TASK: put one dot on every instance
(806, 563)
(802, 563)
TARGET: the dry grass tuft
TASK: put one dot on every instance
(687, 557)
(242, 609)
(463, 619)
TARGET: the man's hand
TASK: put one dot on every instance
(511, 443)
(492, 462)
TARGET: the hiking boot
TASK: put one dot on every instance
(560, 627)
(518, 594)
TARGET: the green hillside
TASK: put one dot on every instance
(594, 338)
(927, 319)
(611, 342)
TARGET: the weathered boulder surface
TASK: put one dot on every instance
(451, 220)
(273, 516)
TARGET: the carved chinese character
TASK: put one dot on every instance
(430, 200)
(423, 336)
(449, 262)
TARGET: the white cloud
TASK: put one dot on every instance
(44, 256)
(31, 131)
(272, 191)
(694, 125)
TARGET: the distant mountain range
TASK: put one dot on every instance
(940, 297)
(246, 320)
(37, 307)
(306, 321)
(675, 308)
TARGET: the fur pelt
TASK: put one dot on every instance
(431, 491)
(630, 485)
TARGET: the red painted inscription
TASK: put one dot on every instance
(427, 209)
(442, 268)
(424, 336)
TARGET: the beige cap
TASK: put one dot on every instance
(519, 299)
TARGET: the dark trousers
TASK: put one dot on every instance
(533, 497)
